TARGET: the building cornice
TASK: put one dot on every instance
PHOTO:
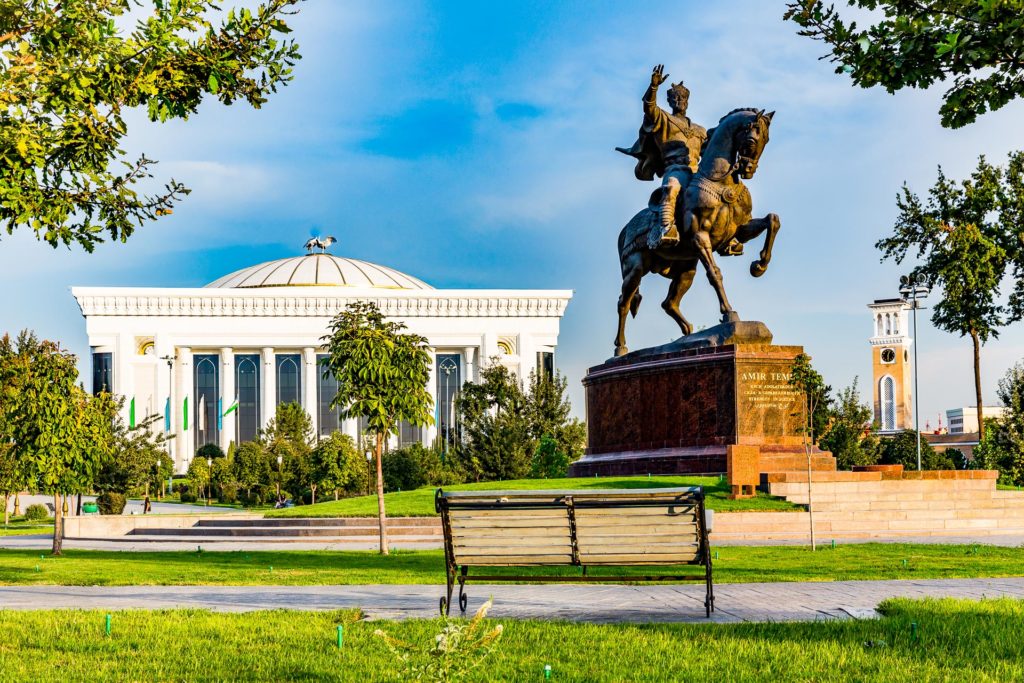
(318, 302)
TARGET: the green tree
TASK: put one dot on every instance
(289, 436)
(964, 243)
(498, 440)
(251, 466)
(549, 462)
(337, 465)
(135, 453)
(550, 415)
(382, 375)
(69, 74)
(199, 477)
(901, 449)
(976, 44)
(848, 436)
(59, 433)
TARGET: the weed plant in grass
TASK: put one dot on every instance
(956, 640)
(734, 564)
(420, 502)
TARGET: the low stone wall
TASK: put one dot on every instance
(110, 526)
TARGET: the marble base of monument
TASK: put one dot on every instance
(678, 408)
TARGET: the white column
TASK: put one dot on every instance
(527, 357)
(185, 442)
(227, 396)
(469, 356)
(124, 376)
(268, 404)
(431, 431)
(310, 382)
(165, 387)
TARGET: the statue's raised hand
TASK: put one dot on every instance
(658, 76)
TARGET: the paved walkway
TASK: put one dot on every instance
(602, 603)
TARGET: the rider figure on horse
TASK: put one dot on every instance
(669, 145)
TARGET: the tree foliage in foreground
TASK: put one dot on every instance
(976, 44)
(848, 437)
(69, 75)
(965, 239)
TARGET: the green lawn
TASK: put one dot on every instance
(420, 502)
(954, 640)
(24, 528)
(734, 564)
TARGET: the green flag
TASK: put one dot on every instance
(131, 414)
(231, 408)
(184, 414)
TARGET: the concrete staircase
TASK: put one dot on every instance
(865, 505)
(293, 529)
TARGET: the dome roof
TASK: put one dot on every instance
(318, 270)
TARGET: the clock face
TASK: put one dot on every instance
(888, 356)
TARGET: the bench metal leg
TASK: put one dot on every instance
(463, 598)
(446, 603)
(709, 598)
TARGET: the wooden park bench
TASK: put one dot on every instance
(583, 528)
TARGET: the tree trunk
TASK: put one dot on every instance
(977, 384)
(808, 436)
(381, 516)
(17, 503)
(312, 494)
(58, 524)
(335, 495)
(78, 510)
(7, 515)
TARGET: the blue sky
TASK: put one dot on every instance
(471, 145)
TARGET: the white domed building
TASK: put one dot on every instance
(253, 337)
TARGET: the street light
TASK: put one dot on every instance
(912, 291)
(369, 471)
(279, 478)
(170, 385)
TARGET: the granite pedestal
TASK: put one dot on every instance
(678, 408)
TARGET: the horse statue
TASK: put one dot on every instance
(714, 215)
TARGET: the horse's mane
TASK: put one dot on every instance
(737, 110)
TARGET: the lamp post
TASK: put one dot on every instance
(170, 384)
(912, 291)
(160, 481)
(369, 471)
(279, 460)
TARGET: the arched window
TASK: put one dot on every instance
(888, 324)
(887, 399)
(879, 325)
(895, 323)
(247, 388)
(207, 391)
(289, 378)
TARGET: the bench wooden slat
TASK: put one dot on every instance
(513, 560)
(512, 542)
(512, 531)
(525, 524)
(529, 513)
(637, 558)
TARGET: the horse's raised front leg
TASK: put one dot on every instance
(752, 229)
(682, 278)
(702, 242)
(629, 300)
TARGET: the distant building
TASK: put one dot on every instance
(216, 361)
(965, 420)
(892, 380)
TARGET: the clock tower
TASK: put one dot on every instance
(890, 365)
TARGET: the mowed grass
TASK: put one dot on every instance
(420, 502)
(732, 564)
(954, 640)
(22, 528)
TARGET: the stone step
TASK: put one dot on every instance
(770, 463)
(298, 522)
(362, 541)
(289, 532)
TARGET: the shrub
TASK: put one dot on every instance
(901, 449)
(36, 513)
(549, 462)
(111, 503)
(210, 450)
(187, 497)
(228, 492)
(403, 468)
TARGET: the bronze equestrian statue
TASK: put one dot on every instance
(714, 214)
